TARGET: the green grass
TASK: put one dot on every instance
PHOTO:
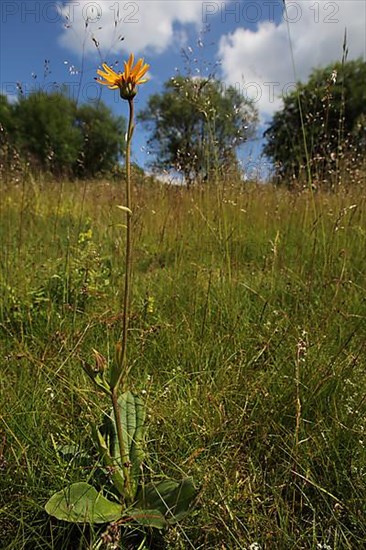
(247, 340)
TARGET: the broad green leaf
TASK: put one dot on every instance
(148, 518)
(68, 450)
(132, 411)
(116, 368)
(132, 414)
(171, 498)
(81, 503)
(108, 431)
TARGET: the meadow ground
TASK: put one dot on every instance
(247, 341)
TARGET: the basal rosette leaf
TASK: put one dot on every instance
(132, 411)
(81, 503)
(172, 498)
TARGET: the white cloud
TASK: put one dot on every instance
(146, 25)
(259, 62)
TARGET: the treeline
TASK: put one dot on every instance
(196, 127)
(317, 138)
(52, 133)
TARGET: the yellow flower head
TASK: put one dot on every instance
(127, 81)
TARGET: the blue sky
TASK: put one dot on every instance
(247, 41)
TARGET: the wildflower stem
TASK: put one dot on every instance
(126, 296)
(125, 319)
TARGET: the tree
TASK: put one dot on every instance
(196, 127)
(102, 145)
(57, 136)
(6, 115)
(328, 133)
(7, 128)
(46, 131)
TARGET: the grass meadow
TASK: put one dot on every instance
(247, 341)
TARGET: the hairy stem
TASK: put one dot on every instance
(127, 291)
(125, 319)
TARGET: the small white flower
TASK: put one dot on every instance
(50, 392)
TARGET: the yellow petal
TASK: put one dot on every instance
(108, 82)
(108, 69)
(130, 61)
(127, 70)
(142, 72)
(108, 77)
(104, 75)
(137, 67)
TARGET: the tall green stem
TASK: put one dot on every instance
(125, 319)
(127, 291)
